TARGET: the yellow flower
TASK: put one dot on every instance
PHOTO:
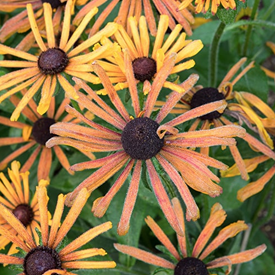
(136, 45)
(47, 259)
(16, 197)
(194, 263)
(204, 6)
(143, 140)
(46, 70)
(198, 96)
(134, 8)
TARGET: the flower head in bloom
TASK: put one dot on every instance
(143, 140)
(46, 258)
(35, 133)
(16, 197)
(269, 72)
(195, 263)
(54, 62)
(134, 8)
(146, 63)
(198, 96)
(254, 106)
(204, 6)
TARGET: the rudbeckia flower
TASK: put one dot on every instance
(47, 258)
(134, 8)
(147, 63)
(143, 140)
(204, 6)
(35, 133)
(15, 196)
(49, 67)
(198, 96)
(268, 72)
(195, 263)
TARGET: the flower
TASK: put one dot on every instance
(256, 186)
(147, 63)
(46, 70)
(199, 95)
(143, 140)
(16, 197)
(35, 133)
(133, 8)
(203, 6)
(20, 23)
(193, 264)
(268, 72)
(46, 258)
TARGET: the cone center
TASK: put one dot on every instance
(24, 213)
(140, 140)
(204, 96)
(41, 259)
(41, 130)
(54, 3)
(144, 68)
(190, 266)
(53, 61)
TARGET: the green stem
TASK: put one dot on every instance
(249, 28)
(269, 11)
(213, 56)
(269, 214)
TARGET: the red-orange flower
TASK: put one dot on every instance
(135, 7)
(143, 139)
(193, 263)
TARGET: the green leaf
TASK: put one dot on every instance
(226, 16)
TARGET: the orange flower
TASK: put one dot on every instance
(35, 133)
(143, 140)
(199, 95)
(48, 69)
(134, 8)
(47, 259)
(16, 197)
(204, 6)
(193, 264)
(146, 62)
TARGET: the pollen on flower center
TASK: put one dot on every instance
(41, 130)
(53, 61)
(140, 140)
(144, 68)
(24, 213)
(41, 259)
(204, 96)
(190, 266)
(54, 3)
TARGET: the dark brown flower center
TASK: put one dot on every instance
(54, 3)
(144, 68)
(41, 259)
(41, 130)
(140, 140)
(53, 61)
(204, 96)
(24, 213)
(190, 266)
